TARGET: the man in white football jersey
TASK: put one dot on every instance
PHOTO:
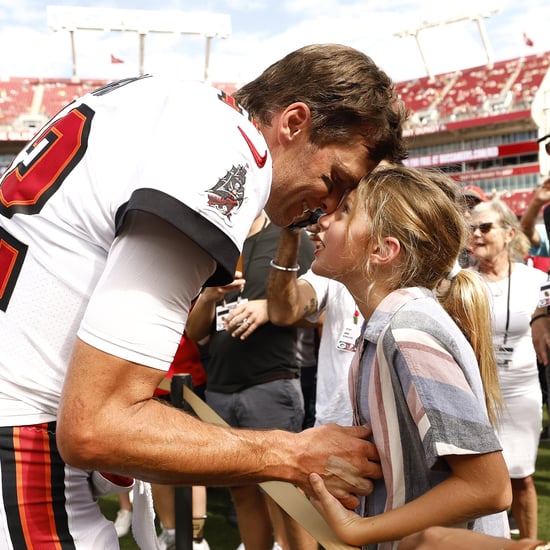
(122, 207)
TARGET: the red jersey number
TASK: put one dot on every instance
(12, 254)
(26, 188)
(49, 159)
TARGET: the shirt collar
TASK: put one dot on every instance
(389, 306)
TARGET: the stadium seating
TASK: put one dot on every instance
(16, 95)
(477, 92)
(505, 86)
(27, 103)
(57, 93)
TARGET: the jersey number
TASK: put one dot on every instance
(26, 187)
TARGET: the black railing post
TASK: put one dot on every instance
(183, 495)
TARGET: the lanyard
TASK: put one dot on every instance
(508, 304)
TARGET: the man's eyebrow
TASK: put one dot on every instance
(328, 182)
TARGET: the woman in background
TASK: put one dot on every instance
(499, 246)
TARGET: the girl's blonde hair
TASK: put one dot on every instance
(421, 209)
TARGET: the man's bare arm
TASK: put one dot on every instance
(289, 298)
(108, 421)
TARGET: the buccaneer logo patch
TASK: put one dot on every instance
(227, 196)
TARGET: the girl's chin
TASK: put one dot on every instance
(319, 269)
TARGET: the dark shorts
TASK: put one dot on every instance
(274, 405)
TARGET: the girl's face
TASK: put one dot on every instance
(341, 242)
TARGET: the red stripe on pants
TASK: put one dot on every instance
(34, 490)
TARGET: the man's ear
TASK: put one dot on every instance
(294, 121)
(386, 252)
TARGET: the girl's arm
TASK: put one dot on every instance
(436, 538)
(479, 485)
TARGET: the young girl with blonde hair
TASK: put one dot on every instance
(424, 376)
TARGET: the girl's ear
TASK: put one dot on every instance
(386, 252)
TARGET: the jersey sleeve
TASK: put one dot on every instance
(194, 159)
(182, 151)
(140, 305)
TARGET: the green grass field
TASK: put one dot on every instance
(542, 479)
(219, 532)
(222, 535)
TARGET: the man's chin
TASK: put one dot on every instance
(283, 217)
(280, 220)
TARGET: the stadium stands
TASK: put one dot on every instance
(479, 117)
(505, 86)
(25, 100)
(476, 92)
(16, 96)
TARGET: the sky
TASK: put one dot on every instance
(263, 31)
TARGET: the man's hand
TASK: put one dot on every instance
(343, 457)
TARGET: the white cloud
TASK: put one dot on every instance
(265, 31)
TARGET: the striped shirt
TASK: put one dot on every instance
(416, 382)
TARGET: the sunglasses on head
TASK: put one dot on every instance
(483, 227)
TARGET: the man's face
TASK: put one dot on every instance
(306, 177)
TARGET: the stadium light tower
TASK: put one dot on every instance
(143, 22)
(476, 17)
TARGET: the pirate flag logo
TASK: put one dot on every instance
(226, 197)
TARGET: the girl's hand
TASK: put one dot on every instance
(344, 522)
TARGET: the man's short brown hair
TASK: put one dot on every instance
(346, 92)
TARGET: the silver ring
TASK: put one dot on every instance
(245, 320)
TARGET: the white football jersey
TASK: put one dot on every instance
(183, 152)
